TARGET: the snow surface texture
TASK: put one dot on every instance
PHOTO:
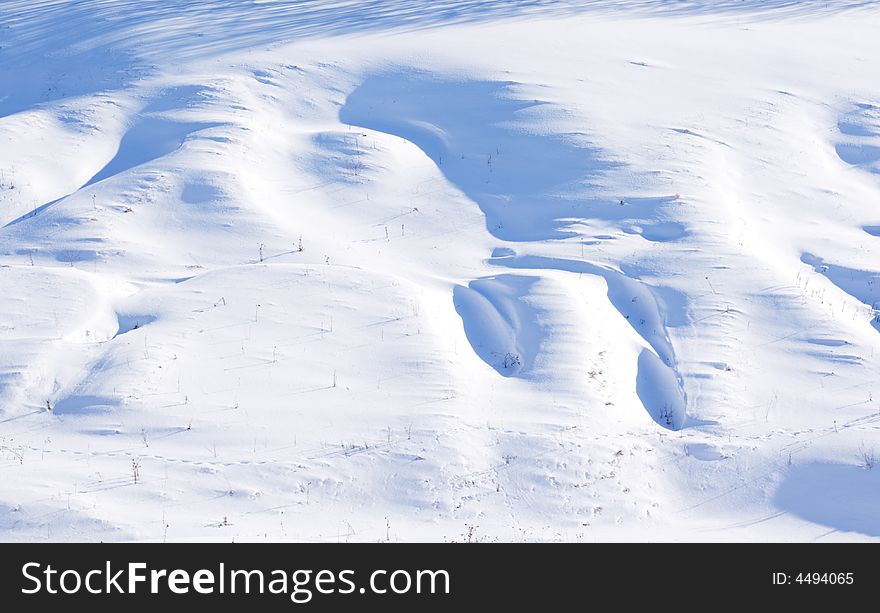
(297, 270)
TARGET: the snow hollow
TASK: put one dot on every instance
(498, 271)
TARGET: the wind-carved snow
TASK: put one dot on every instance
(860, 137)
(847, 503)
(500, 325)
(862, 285)
(482, 136)
(458, 271)
(658, 382)
(150, 139)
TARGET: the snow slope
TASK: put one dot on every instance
(297, 270)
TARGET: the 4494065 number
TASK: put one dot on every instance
(824, 578)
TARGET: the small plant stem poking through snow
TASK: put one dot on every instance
(667, 417)
(867, 456)
(511, 360)
(710, 285)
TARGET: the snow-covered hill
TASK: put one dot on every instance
(299, 270)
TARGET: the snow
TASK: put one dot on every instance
(353, 271)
